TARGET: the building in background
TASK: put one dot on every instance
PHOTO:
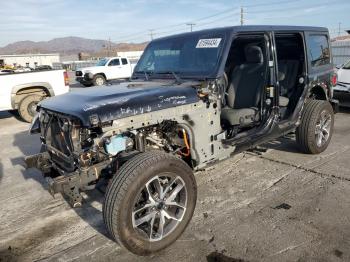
(341, 49)
(29, 60)
(83, 60)
(133, 56)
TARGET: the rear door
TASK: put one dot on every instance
(125, 68)
(320, 64)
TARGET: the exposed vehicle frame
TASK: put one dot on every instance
(147, 135)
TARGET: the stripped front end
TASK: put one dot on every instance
(75, 158)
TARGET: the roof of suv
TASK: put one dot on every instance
(252, 28)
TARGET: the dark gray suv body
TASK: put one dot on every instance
(194, 99)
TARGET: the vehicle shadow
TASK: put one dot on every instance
(76, 85)
(286, 143)
(219, 257)
(5, 114)
(10, 114)
(345, 110)
(90, 211)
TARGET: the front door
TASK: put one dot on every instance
(250, 95)
(114, 69)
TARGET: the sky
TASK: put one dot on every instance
(132, 20)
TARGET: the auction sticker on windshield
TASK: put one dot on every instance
(208, 43)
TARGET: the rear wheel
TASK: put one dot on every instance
(27, 106)
(99, 80)
(316, 128)
(150, 202)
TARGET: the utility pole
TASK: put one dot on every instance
(339, 24)
(242, 19)
(191, 25)
(151, 33)
(109, 46)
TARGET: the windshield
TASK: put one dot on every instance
(102, 62)
(346, 65)
(187, 55)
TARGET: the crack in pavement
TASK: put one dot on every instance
(66, 249)
(311, 170)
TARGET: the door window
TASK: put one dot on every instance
(318, 50)
(346, 66)
(114, 62)
(124, 61)
(291, 67)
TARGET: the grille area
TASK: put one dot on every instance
(58, 137)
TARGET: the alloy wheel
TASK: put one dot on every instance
(160, 207)
(323, 127)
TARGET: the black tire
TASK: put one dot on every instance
(27, 106)
(306, 137)
(99, 80)
(126, 187)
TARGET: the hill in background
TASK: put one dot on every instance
(69, 46)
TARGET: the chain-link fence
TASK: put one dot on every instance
(341, 52)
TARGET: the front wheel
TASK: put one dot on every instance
(150, 202)
(316, 128)
(99, 80)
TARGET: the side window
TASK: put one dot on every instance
(114, 62)
(124, 61)
(318, 50)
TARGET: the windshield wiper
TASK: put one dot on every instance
(177, 78)
(146, 74)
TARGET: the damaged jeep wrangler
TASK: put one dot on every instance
(194, 99)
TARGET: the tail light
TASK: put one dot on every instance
(66, 78)
(334, 79)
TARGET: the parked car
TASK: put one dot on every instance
(6, 71)
(342, 89)
(194, 99)
(22, 91)
(23, 69)
(106, 69)
(43, 67)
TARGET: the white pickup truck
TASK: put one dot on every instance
(343, 83)
(105, 70)
(22, 91)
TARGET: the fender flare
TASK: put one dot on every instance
(91, 75)
(319, 91)
(44, 85)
